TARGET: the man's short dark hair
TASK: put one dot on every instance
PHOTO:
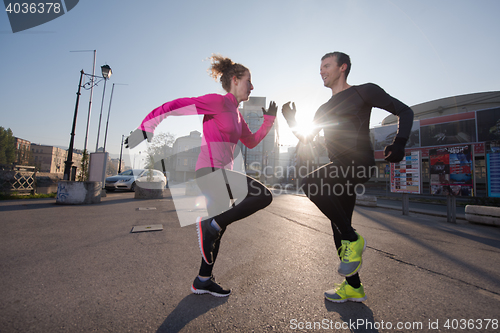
(341, 58)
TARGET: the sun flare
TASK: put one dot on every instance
(305, 128)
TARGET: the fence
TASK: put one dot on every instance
(17, 179)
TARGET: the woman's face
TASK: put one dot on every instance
(242, 87)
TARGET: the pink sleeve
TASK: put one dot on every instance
(250, 139)
(207, 104)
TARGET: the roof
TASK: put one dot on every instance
(451, 105)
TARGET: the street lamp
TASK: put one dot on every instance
(106, 72)
(109, 111)
(90, 100)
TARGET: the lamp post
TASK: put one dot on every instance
(90, 100)
(121, 151)
(69, 160)
(106, 74)
(106, 70)
(109, 111)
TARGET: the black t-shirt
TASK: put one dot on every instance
(345, 120)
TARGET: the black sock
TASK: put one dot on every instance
(354, 281)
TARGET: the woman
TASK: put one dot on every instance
(223, 127)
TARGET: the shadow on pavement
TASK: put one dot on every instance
(189, 309)
(52, 203)
(425, 243)
(25, 205)
(356, 317)
(483, 233)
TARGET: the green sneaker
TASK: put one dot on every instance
(350, 256)
(344, 292)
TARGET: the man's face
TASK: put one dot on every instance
(330, 71)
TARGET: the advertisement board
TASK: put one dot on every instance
(457, 132)
(488, 125)
(384, 135)
(493, 168)
(406, 175)
(452, 170)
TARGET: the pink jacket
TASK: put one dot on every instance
(223, 126)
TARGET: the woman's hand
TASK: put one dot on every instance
(136, 137)
(271, 111)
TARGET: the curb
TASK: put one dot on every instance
(425, 212)
(412, 210)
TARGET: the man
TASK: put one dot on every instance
(345, 120)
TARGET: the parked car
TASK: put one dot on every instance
(127, 179)
(153, 176)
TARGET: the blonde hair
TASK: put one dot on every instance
(224, 69)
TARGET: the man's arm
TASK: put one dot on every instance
(394, 152)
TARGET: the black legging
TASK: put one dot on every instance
(218, 185)
(332, 188)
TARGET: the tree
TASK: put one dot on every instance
(111, 169)
(7, 146)
(84, 167)
(161, 146)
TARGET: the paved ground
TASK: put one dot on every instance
(80, 269)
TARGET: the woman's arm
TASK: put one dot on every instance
(250, 139)
(207, 104)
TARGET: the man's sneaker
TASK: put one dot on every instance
(210, 287)
(207, 237)
(350, 256)
(344, 292)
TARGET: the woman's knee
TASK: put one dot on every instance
(267, 198)
(262, 195)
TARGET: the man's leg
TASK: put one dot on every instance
(329, 193)
(333, 197)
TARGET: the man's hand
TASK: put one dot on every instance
(289, 113)
(136, 137)
(395, 152)
(271, 111)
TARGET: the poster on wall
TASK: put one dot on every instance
(405, 175)
(488, 125)
(456, 132)
(493, 168)
(452, 170)
(384, 135)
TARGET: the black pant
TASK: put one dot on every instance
(332, 188)
(220, 187)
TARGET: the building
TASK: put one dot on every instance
(465, 119)
(51, 159)
(286, 173)
(23, 149)
(262, 160)
(182, 164)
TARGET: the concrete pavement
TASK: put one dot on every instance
(80, 269)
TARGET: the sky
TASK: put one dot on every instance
(417, 51)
